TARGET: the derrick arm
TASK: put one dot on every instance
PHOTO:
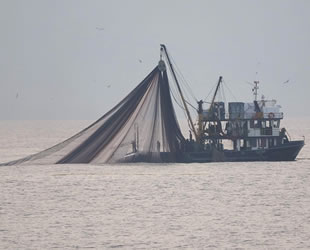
(215, 93)
(163, 48)
(213, 99)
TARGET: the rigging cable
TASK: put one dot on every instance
(175, 99)
(211, 91)
(187, 87)
(183, 82)
(182, 108)
(191, 105)
(184, 92)
(226, 85)
(186, 84)
(224, 97)
(173, 93)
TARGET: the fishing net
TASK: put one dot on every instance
(141, 128)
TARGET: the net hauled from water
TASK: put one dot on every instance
(140, 128)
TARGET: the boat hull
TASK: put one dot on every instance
(285, 152)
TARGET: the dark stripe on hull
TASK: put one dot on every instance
(284, 152)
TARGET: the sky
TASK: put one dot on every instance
(76, 59)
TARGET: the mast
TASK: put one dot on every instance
(200, 122)
(255, 88)
(163, 48)
(211, 105)
(215, 93)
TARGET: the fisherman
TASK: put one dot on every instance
(283, 135)
(190, 136)
(158, 146)
(228, 128)
(134, 146)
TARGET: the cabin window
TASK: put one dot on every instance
(228, 144)
(276, 124)
(245, 144)
(259, 143)
(241, 143)
(257, 124)
(253, 143)
(252, 124)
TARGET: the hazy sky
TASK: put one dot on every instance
(70, 59)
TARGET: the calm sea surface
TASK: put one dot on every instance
(260, 205)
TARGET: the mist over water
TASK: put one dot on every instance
(143, 206)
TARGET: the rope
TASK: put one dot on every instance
(178, 72)
(226, 85)
(210, 92)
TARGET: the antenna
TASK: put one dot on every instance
(255, 88)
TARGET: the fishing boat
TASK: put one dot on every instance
(143, 127)
(252, 128)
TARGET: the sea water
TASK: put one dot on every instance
(258, 205)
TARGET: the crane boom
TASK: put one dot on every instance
(215, 93)
(163, 48)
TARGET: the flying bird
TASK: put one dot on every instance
(109, 86)
(286, 81)
(16, 95)
(99, 28)
(140, 61)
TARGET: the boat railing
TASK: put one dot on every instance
(241, 116)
